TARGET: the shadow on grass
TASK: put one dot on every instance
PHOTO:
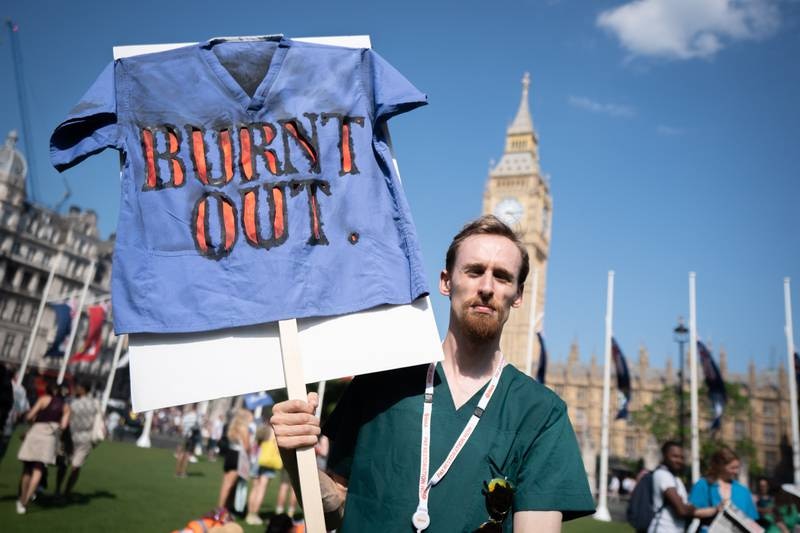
(52, 501)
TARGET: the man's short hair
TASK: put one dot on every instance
(489, 225)
(669, 444)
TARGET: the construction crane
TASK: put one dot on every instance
(19, 76)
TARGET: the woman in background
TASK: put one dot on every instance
(237, 454)
(721, 486)
(49, 417)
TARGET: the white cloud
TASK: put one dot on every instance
(615, 110)
(686, 29)
(668, 130)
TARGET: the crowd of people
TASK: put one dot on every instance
(62, 428)
(674, 509)
(59, 429)
(248, 451)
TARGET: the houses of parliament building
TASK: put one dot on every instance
(519, 193)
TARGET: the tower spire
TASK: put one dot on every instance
(522, 122)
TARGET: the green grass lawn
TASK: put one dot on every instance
(128, 489)
(122, 488)
(590, 525)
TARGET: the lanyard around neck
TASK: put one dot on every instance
(421, 519)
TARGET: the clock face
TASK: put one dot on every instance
(509, 210)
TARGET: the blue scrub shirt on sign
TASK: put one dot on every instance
(257, 183)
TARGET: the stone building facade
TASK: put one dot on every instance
(580, 384)
(32, 237)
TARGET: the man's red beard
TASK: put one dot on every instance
(479, 326)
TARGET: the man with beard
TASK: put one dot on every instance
(455, 446)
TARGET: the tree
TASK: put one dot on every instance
(660, 419)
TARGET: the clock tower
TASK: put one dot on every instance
(518, 194)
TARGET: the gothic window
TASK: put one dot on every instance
(770, 459)
(11, 272)
(630, 446)
(5, 305)
(26, 281)
(16, 314)
(545, 219)
(8, 345)
(100, 273)
(739, 429)
(769, 408)
(769, 433)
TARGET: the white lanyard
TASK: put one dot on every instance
(421, 519)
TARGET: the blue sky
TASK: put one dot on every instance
(670, 130)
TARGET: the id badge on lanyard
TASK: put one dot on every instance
(421, 519)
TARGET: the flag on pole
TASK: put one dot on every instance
(623, 380)
(542, 370)
(715, 384)
(63, 324)
(257, 399)
(94, 336)
(797, 369)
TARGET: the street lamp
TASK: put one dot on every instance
(681, 336)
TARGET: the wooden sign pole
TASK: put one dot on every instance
(306, 458)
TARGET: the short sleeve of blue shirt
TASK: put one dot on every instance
(91, 125)
(391, 92)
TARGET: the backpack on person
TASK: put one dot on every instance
(640, 506)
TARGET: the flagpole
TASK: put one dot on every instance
(693, 378)
(144, 440)
(532, 323)
(29, 348)
(787, 302)
(602, 500)
(73, 333)
(111, 374)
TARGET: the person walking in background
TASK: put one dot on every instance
(237, 461)
(83, 410)
(670, 502)
(764, 502)
(283, 490)
(189, 433)
(267, 465)
(18, 410)
(6, 406)
(721, 487)
(214, 436)
(49, 416)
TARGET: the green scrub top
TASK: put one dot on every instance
(524, 435)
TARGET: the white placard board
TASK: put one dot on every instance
(175, 369)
